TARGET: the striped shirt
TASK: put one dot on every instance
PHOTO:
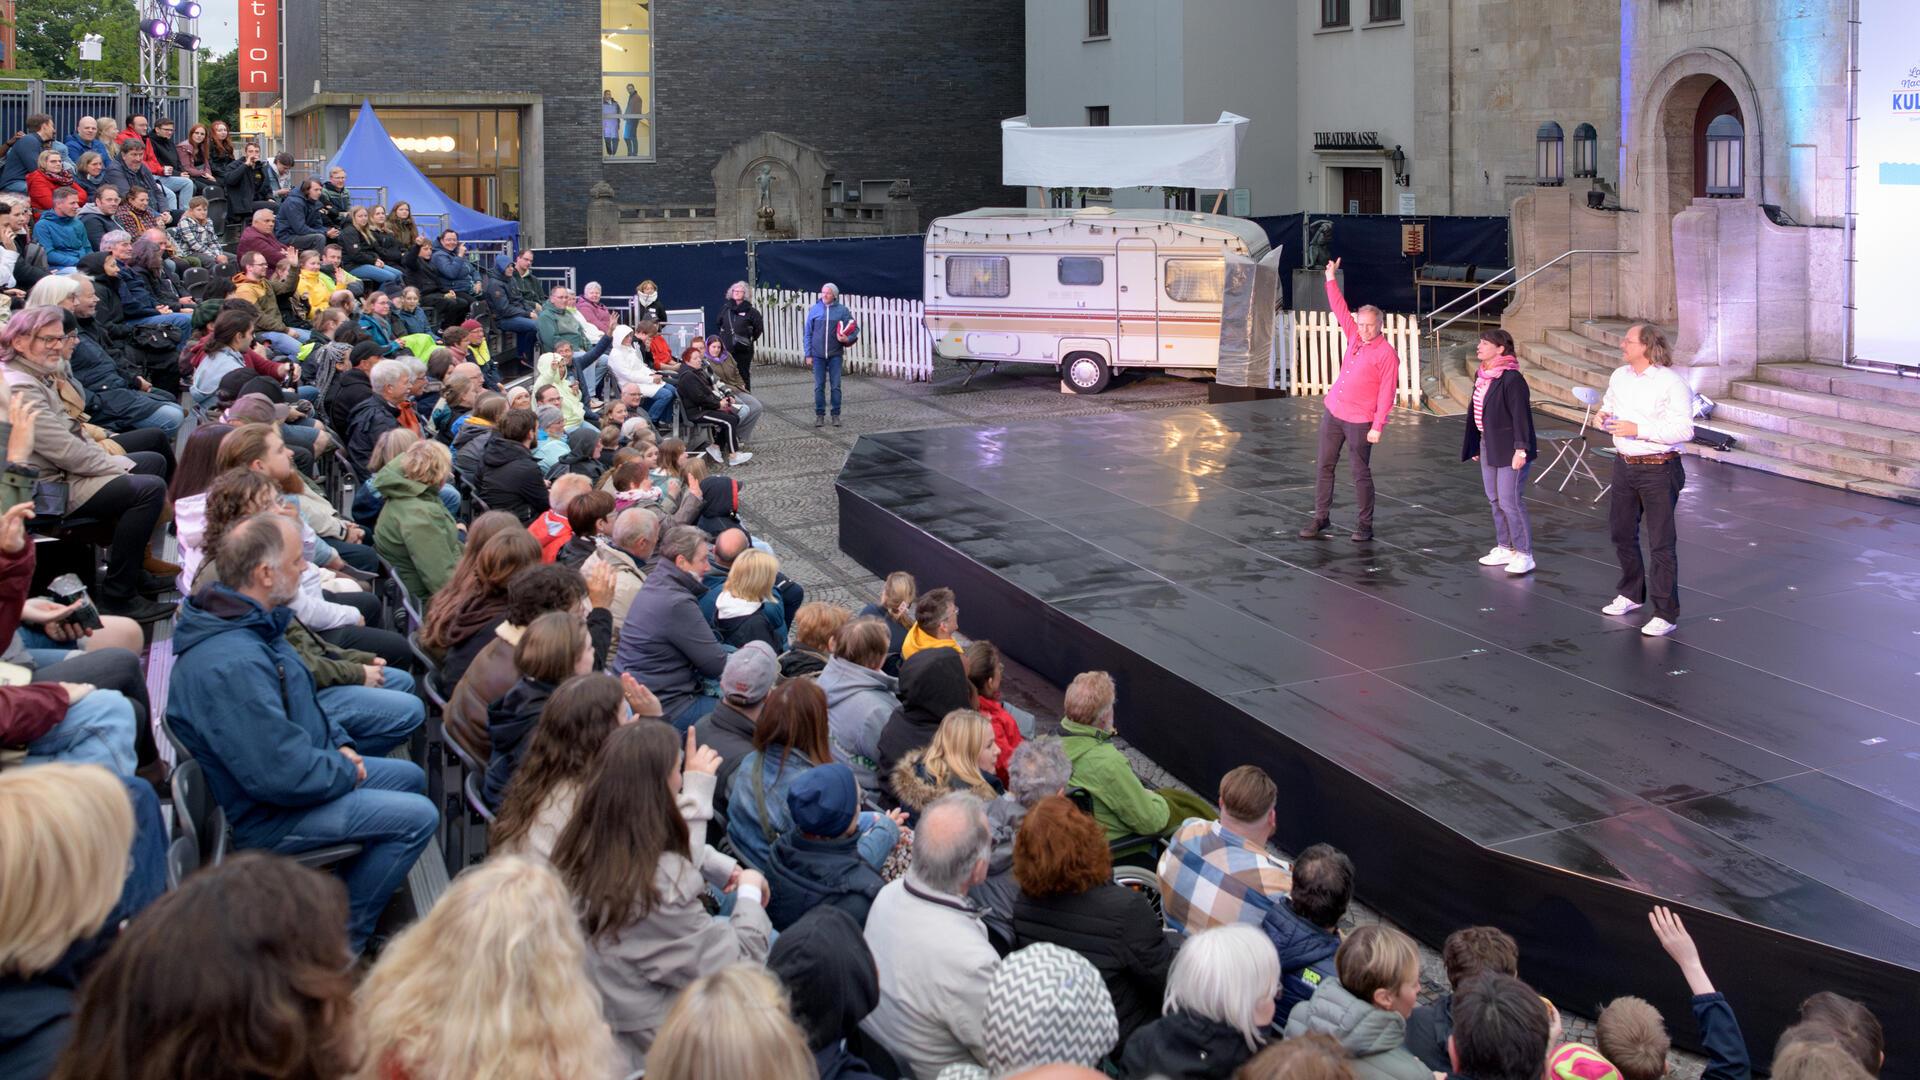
(1211, 876)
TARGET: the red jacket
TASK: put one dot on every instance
(1006, 733)
(26, 712)
(40, 189)
(661, 352)
(551, 531)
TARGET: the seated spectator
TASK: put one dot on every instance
(1038, 770)
(415, 534)
(633, 367)
(986, 672)
(898, 597)
(554, 648)
(589, 519)
(458, 393)
(1218, 872)
(1846, 1020)
(1305, 931)
(552, 530)
(746, 609)
(1068, 897)
(931, 949)
(860, 699)
(50, 174)
(629, 551)
(89, 174)
(490, 982)
(228, 342)
(532, 592)
(127, 172)
(199, 243)
(731, 1023)
(97, 216)
(85, 138)
(249, 188)
(300, 223)
(1466, 954)
(1500, 1029)
(245, 962)
(936, 619)
(831, 986)
(930, 687)
(1309, 1057)
(1045, 1006)
(258, 239)
(960, 758)
(729, 729)
(592, 310)
(36, 134)
(1816, 1060)
(706, 404)
(1121, 804)
(388, 407)
(789, 738)
(146, 297)
(1217, 1012)
(465, 612)
(367, 499)
(135, 216)
(313, 288)
(558, 321)
(583, 448)
(126, 493)
(510, 309)
(1367, 1009)
(376, 316)
(665, 643)
(580, 714)
(67, 883)
(233, 496)
(818, 862)
(118, 398)
(509, 478)
(360, 252)
(550, 436)
(409, 317)
(627, 859)
(288, 777)
(262, 284)
(1630, 1033)
(61, 233)
(729, 542)
(475, 430)
(814, 627)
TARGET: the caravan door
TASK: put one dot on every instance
(1137, 303)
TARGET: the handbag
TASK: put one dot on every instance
(157, 337)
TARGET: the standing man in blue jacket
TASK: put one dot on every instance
(830, 329)
(286, 774)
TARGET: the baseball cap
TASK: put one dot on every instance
(256, 409)
(749, 674)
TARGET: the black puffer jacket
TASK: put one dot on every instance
(932, 684)
(830, 976)
(510, 480)
(1181, 1046)
(1116, 929)
(510, 724)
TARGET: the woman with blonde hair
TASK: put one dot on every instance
(732, 1023)
(492, 983)
(415, 534)
(895, 605)
(64, 835)
(960, 758)
(746, 607)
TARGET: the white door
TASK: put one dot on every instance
(1137, 303)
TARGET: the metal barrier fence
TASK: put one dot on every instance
(67, 100)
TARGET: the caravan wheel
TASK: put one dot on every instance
(1085, 372)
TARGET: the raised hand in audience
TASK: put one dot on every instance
(1679, 945)
(700, 759)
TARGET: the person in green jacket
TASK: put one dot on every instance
(414, 533)
(1121, 803)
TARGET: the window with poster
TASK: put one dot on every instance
(626, 80)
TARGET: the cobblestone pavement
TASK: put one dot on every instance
(787, 497)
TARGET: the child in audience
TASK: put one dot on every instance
(818, 862)
(984, 671)
(1367, 1009)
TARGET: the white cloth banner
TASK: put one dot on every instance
(1886, 237)
(1158, 155)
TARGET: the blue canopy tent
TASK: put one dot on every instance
(372, 161)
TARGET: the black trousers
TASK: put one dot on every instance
(1645, 495)
(385, 644)
(132, 504)
(149, 441)
(1335, 433)
(743, 359)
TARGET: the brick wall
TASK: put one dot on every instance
(913, 89)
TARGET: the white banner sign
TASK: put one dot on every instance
(1158, 155)
(1886, 238)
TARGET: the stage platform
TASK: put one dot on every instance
(1488, 748)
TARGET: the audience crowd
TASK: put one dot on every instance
(731, 831)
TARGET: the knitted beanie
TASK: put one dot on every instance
(1046, 1005)
(1578, 1061)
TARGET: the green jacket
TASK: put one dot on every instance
(330, 664)
(415, 534)
(420, 345)
(1121, 804)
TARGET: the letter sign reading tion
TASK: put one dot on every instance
(259, 46)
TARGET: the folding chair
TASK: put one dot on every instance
(1571, 446)
(201, 818)
(183, 858)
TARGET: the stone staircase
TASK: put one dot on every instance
(1820, 422)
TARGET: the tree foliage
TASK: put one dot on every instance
(220, 87)
(47, 34)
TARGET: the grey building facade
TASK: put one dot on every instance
(509, 106)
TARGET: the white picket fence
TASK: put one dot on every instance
(893, 335)
(1315, 344)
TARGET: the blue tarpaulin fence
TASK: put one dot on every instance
(697, 275)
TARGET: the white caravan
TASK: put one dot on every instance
(1087, 291)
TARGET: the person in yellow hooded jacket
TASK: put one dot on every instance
(936, 618)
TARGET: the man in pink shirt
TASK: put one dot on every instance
(1357, 409)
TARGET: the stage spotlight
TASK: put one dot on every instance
(155, 28)
(186, 9)
(183, 40)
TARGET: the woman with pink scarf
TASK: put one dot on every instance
(1500, 438)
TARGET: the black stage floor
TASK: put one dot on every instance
(1489, 749)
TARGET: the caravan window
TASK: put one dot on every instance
(1196, 281)
(978, 275)
(1082, 271)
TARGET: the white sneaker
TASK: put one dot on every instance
(713, 451)
(740, 458)
(1499, 556)
(1620, 606)
(1522, 564)
(1658, 627)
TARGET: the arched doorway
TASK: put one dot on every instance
(1717, 104)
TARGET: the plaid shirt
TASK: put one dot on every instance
(195, 238)
(1210, 876)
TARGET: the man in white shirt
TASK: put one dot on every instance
(1649, 411)
(931, 947)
